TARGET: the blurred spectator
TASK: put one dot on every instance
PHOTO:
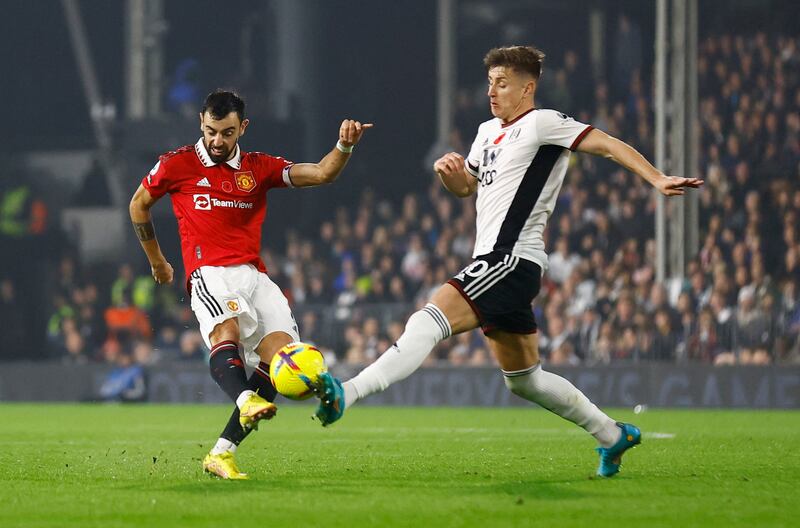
(752, 329)
(184, 92)
(126, 322)
(564, 354)
(562, 262)
(126, 381)
(73, 346)
(627, 53)
(703, 344)
(167, 344)
(666, 340)
(192, 347)
(13, 323)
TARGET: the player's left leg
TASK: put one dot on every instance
(220, 459)
(228, 371)
(234, 433)
(518, 356)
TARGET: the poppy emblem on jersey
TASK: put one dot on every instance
(202, 202)
(233, 305)
(245, 181)
(227, 186)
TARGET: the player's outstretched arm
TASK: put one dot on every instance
(601, 144)
(329, 167)
(143, 225)
(454, 176)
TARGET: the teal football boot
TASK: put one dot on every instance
(331, 399)
(611, 457)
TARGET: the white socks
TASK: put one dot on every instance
(243, 397)
(558, 395)
(223, 445)
(424, 330)
(427, 327)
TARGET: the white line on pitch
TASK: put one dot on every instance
(659, 436)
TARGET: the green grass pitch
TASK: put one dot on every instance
(109, 466)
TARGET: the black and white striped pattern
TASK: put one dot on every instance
(492, 276)
(441, 320)
(526, 198)
(523, 372)
(521, 166)
(201, 290)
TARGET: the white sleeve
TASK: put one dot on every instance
(555, 128)
(473, 161)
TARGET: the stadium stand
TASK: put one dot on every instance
(372, 262)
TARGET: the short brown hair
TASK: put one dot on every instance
(525, 59)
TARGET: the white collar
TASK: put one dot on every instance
(200, 149)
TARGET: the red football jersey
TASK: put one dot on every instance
(220, 207)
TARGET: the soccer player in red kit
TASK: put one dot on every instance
(219, 198)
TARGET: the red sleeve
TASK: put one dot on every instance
(157, 181)
(274, 171)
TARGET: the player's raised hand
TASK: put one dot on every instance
(675, 185)
(350, 132)
(449, 164)
(162, 272)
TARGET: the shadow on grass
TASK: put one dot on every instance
(529, 489)
(542, 489)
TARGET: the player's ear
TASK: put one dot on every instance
(530, 87)
(201, 121)
(243, 126)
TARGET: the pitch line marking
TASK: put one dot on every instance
(659, 436)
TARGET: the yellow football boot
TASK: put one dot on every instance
(223, 466)
(255, 408)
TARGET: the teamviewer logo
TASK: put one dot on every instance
(202, 202)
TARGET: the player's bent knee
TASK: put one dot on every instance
(227, 330)
(271, 343)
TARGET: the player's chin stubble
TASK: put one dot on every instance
(217, 158)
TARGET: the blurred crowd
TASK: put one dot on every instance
(353, 283)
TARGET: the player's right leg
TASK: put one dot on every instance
(447, 313)
(518, 356)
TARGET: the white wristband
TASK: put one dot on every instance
(342, 148)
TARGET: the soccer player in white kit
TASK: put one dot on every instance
(516, 165)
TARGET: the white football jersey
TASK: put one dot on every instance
(520, 167)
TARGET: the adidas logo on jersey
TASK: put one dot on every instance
(203, 183)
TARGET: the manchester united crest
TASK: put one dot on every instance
(233, 305)
(245, 181)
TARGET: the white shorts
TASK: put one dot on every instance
(222, 292)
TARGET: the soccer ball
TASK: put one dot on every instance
(295, 369)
